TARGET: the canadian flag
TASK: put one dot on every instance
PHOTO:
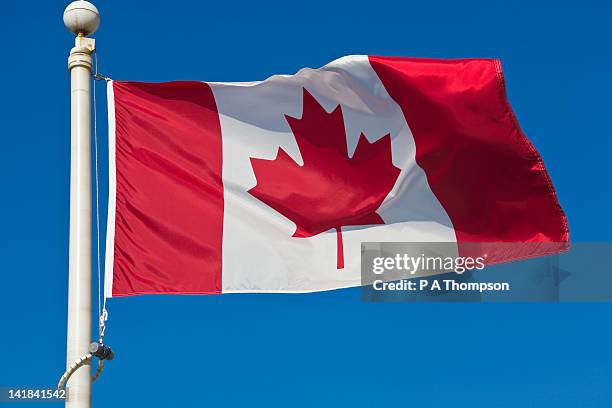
(272, 186)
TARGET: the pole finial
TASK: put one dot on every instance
(81, 18)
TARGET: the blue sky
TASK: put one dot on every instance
(325, 349)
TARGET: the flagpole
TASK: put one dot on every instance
(82, 19)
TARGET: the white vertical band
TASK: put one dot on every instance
(112, 194)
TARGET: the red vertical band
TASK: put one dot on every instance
(169, 194)
(484, 171)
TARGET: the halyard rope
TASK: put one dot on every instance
(101, 314)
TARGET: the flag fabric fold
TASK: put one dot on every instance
(272, 186)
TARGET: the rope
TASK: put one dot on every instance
(102, 312)
(98, 371)
(95, 120)
(86, 359)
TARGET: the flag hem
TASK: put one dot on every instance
(112, 194)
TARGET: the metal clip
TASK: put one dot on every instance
(101, 351)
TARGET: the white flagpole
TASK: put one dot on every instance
(82, 19)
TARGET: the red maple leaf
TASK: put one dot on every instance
(330, 190)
